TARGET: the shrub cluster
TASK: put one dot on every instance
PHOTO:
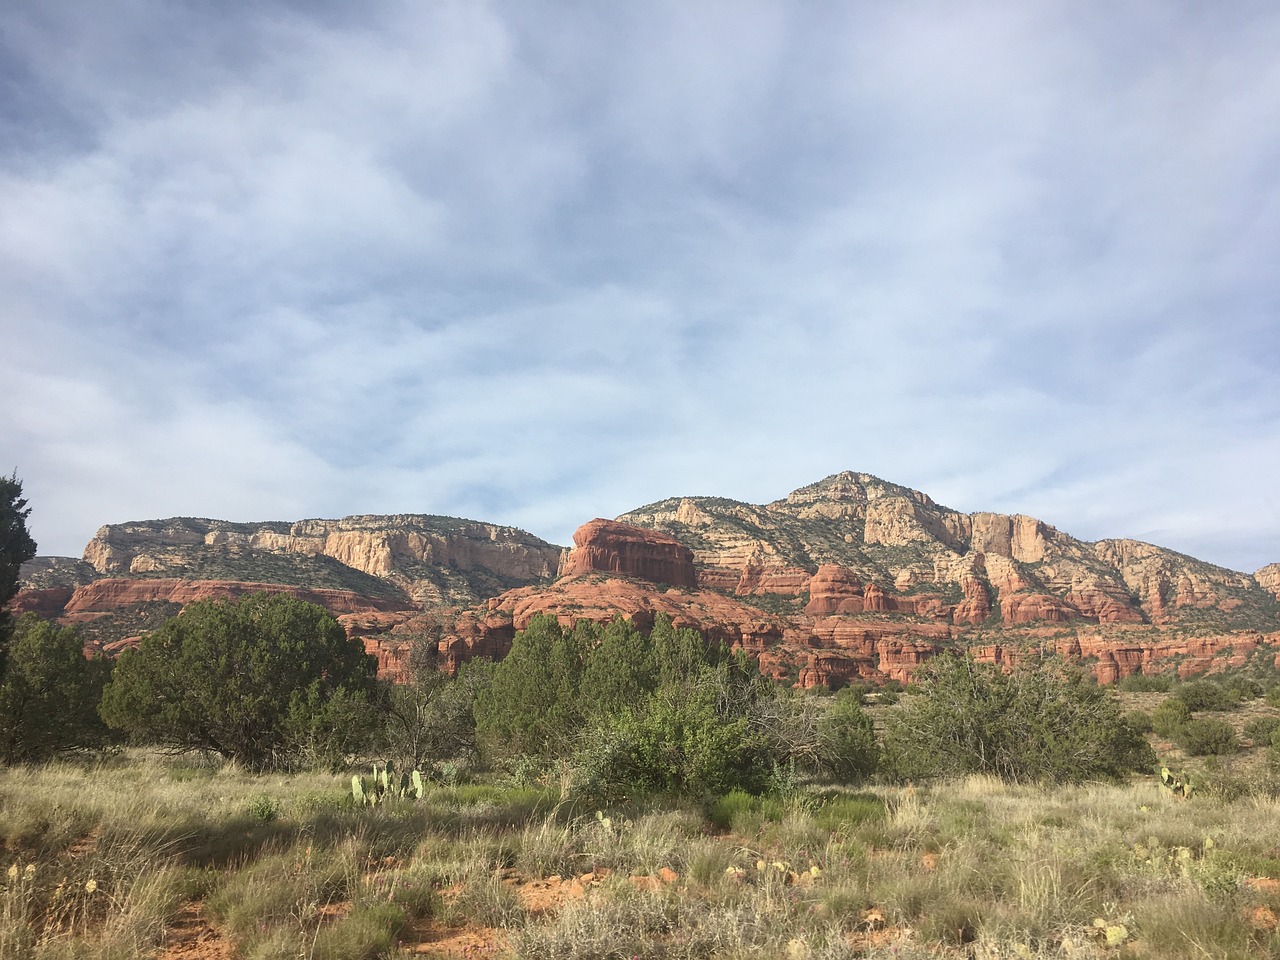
(1044, 722)
(1175, 718)
(266, 682)
(49, 694)
(663, 713)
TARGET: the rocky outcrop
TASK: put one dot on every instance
(863, 579)
(48, 603)
(1024, 539)
(44, 573)
(607, 546)
(1032, 607)
(981, 566)
(428, 559)
(763, 577)
(1269, 578)
(1168, 585)
(834, 589)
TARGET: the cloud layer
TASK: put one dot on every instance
(536, 263)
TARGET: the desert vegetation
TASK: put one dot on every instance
(140, 854)
(606, 793)
(240, 785)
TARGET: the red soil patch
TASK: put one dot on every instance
(1263, 918)
(192, 937)
(455, 942)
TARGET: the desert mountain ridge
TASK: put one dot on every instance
(850, 577)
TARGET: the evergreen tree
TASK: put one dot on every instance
(620, 671)
(16, 548)
(270, 681)
(846, 737)
(522, 709)
(1045, 722)
(49, 695)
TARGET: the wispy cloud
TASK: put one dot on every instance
(536, 263)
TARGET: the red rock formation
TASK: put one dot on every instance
(606, 546)
(724, 579)
(976, 605)
(872, 649)
(392, 656)
(838, 590)
(45, 603)
(1097, 605)
(834, 589)
(1030, 607)
(103, 596)
(758, 578)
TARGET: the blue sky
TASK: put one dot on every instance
(538, 262)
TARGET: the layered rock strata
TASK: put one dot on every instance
(850, 579)
(607, 546)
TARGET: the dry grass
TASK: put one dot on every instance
(99, 862)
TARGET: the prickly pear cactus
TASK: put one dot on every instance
(1175, 784)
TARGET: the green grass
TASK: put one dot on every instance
(99, 860)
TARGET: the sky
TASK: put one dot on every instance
(536, 262)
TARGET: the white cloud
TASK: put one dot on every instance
(536, 264)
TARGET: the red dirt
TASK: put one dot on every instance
(192, 937)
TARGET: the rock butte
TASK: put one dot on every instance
(849, 578)
(607, 546)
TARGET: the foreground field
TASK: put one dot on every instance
(152, 857)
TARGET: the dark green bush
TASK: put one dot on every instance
(269, 681)
(531, 705)
(1142, 683)
(1045, 722)
(847, 746)
(1207, 737)
(676, 747)
(1168, 718)
(1258, 730)
(1205, 695)
(49, 694)
(1140, 720)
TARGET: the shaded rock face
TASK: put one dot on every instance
(48, 603)
(607, 546)
(361, 564)
(103, 596)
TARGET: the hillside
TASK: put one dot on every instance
(134, 573)
(977, 568)
(848, 578)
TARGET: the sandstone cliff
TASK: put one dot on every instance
(425, 559)
(963, 568)
(851, 578)
(606, 546)
(134, 575)
(1269, 578)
